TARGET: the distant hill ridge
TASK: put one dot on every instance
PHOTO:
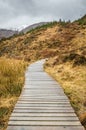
(4, 33)
(33, 26)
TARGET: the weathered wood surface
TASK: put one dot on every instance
(43, 104)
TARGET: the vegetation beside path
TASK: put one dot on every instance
(73, 81)
(11, 84)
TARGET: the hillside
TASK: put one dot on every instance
(64, 44)
(53, 39)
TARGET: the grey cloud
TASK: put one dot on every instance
(16, 13)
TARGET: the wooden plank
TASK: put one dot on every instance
(37, 83)
(42, 94)
(43, 99)
(44, 118)
(42, 85)
(45, 114)
(43, 111)
(45, 128)
(41, 82)
(45, 96)
(51, 98)
(39, 88)
(45, 123)
(43, 88)
(41, 79)
(43, 102)
(43, 91)
(43, 107)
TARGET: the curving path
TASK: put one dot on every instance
(43, 104)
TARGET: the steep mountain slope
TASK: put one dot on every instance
(7, 33)
(64, 43)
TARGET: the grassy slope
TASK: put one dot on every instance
(73, 81)
(69, 69)
(11, 83)
(64, 44)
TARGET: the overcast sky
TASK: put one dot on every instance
(21, 13)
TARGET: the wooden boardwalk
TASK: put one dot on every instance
(43, 104)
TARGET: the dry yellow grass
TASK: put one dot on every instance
(73, 81)
(11, 84)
